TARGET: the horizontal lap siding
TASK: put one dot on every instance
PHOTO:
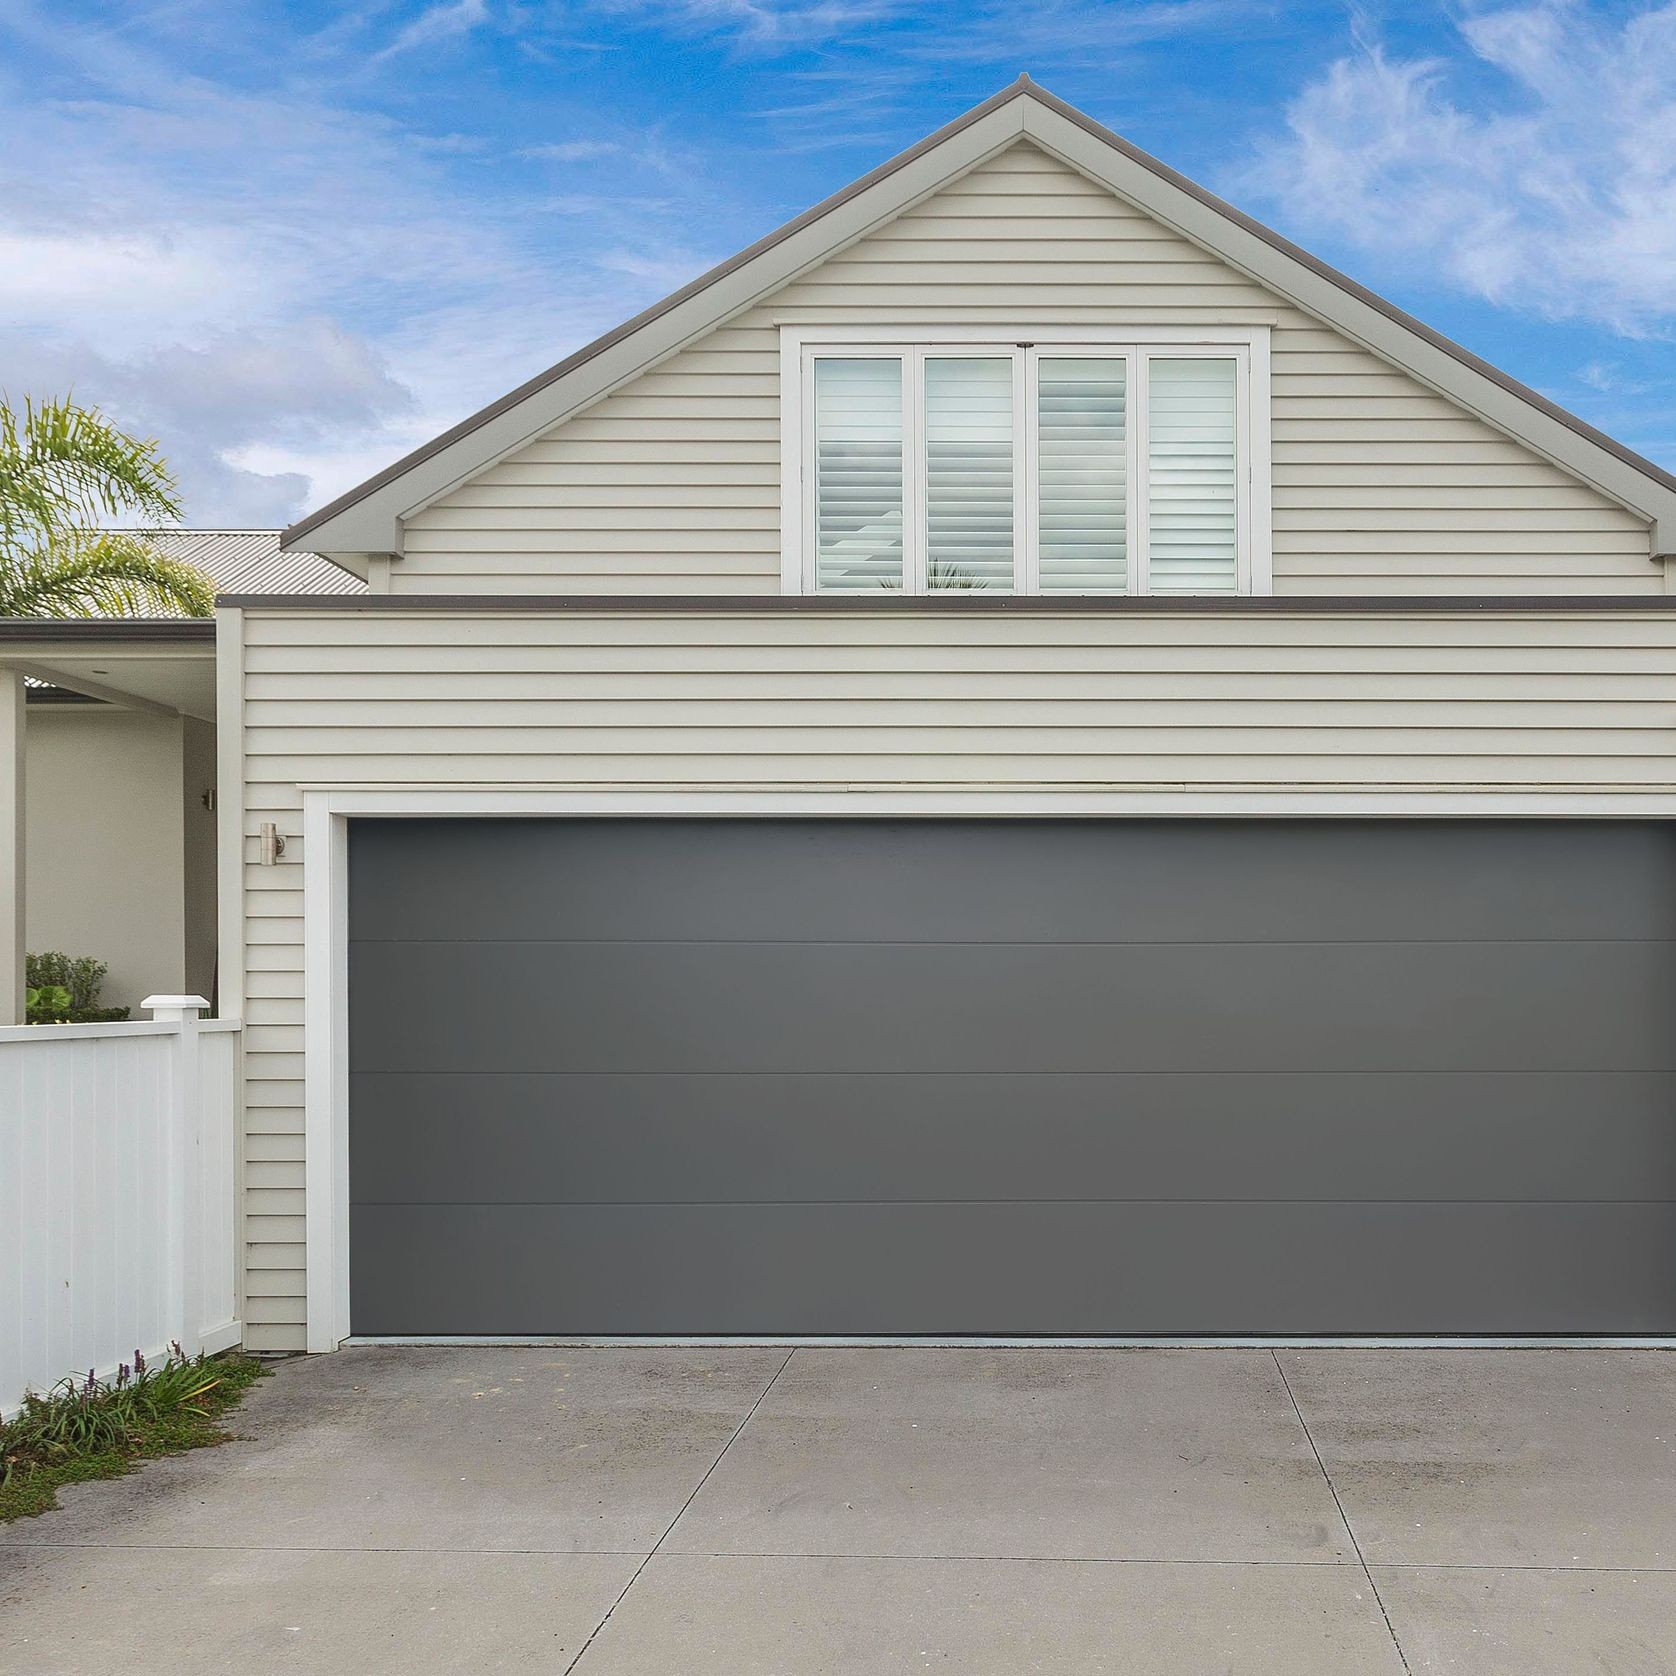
(671, 485)
(928, 700)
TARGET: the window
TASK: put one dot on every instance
(858, 472)
(960, 464)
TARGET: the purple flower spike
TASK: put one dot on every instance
(139, 1361)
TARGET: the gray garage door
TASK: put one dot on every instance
(903, 1077)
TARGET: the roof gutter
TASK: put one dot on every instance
(163, 631)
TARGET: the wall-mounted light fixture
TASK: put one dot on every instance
(273, 845)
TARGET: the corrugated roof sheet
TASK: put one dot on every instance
(250, 562)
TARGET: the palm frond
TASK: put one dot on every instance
(63, 466)
(102, 573)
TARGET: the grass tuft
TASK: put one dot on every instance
(88, 1428)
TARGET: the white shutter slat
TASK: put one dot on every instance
(858, 473)
(1082, 472)
(1192, 524)
(968, 472)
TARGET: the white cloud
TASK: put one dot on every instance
(1082, 33)
(762, 23)
(123, 279)
(439, 23)
(217, 404)
(570, 151)
(287, 291)
(1610, 379)
(666, 271)
(1559, 199)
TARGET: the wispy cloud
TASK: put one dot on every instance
(287, 289)
(764, 24)
(865, 85)
(1610, 379)
(1071, 29)
(570, 151)
(1555, 194)
(295, 250)
(438, 23)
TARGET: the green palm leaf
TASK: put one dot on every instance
(102, 574)
(64, 471)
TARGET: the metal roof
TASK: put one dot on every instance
(252, 562)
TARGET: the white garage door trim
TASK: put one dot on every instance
(328, 810)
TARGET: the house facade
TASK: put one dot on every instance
(1022, 759)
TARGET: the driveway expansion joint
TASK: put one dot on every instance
(1344, 1518)
(583, 1649)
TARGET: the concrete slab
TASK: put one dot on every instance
(1498, 1457)
(823, 1616)
(1110, 1454)
(1514, 1623)
(1140, 1511)
(483, 1451)
(89, 1611)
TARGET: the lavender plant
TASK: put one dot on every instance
(85, 1427)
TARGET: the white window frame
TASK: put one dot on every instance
(1247, 345)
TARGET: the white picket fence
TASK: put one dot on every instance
(118, 1193)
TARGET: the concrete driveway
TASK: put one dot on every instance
(741, 1512)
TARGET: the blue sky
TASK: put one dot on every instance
(293, 241)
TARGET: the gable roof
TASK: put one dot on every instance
(368, 519)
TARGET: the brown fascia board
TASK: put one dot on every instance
(890, 604)
(128, 630)
(1022, 87)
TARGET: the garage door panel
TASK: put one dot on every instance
(458, 1007)
(693, 1139)
(1015, 1269)
(1012, 1077)
(1050, 881)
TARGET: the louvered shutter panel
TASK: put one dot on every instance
(1192, 534)
(858, 473)
(968, 472)
(1082, 413)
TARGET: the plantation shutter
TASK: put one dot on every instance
(1192, 526)
(968, 471)
(858, 472)
(1083, 467)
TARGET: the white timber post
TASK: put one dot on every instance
(185, 1199)
(13, 878)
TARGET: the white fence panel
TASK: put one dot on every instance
(118, 1194)
(218, 1191)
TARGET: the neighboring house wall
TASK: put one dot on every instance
(198, 822)
(1224, 705)
(671, 484)
(104, 844)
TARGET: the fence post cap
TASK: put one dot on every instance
(160, 1006)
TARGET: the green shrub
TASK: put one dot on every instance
(48, 1003)
(80, 976)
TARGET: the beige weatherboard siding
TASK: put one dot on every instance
(1227, 708)
(671, 484)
